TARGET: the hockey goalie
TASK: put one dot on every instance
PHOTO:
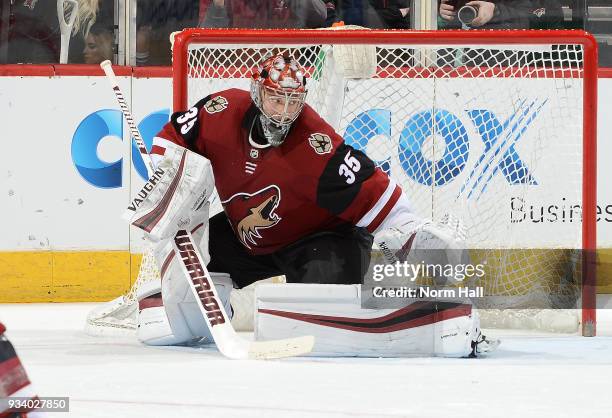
(299, 202)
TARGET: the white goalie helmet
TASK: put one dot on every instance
(278, 89)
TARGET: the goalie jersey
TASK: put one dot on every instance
(275, 196)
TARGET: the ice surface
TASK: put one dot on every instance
(529, 376)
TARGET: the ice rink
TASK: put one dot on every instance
(529, 376)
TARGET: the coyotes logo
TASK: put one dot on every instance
(216, 105)
(255, 212)
(321, 143)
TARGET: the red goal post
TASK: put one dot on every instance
(578, 70)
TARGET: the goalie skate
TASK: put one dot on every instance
(483, 345)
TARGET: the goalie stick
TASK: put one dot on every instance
(229, 343)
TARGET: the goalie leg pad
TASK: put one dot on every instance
(153, 325)
(341, 327)
(181, 306)
(170, 315)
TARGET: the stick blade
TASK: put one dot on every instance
(290, 347)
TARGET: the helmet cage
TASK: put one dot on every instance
(280, 106)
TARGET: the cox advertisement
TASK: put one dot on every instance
(508, 164)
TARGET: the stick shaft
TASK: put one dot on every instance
(127, 114)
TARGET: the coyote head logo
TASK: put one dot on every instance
(255, 211)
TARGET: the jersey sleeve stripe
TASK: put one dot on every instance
(371, 214)
(382, 214)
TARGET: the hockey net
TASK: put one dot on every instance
(495, 128)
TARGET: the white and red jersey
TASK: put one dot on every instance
(276, 196)
(14, 381)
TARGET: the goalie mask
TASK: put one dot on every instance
(278, 89)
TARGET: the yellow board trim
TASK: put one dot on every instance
(92, 276)
(66, 276)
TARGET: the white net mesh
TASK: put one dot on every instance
(119, 316)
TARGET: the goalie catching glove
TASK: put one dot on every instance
(433, 243)
(175, 197)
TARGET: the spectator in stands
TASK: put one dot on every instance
(92, 11)
(98, 45)
(155, 21)
(332, 14)
(34, 30)
(263, 13)
(393, 13)
(375, 14)
(546, 14)
(353, 12)
(492, 14)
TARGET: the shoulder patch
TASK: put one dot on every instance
(216, 104)
(321, 143)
